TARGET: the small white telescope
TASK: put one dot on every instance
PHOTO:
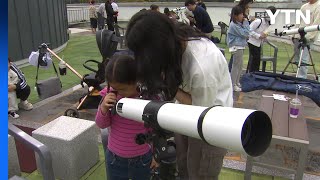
(242, 130)
(298, 30)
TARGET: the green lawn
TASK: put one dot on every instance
(83, 47)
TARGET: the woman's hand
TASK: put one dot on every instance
(108, 102)
(154, 164)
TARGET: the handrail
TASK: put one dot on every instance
(41, 149)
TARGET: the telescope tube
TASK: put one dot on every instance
(302, 29)
(242, 130)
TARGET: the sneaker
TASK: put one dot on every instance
(13, 114)
(239, 85)
(25, 105)
(237, 88)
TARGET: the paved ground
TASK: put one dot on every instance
(49, 109)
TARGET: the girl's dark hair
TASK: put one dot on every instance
(157, 45)
(236, 10)
(121, 69)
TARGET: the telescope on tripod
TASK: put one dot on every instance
(243, 130)
(302, 45)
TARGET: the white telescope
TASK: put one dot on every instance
(299, 30)
(242, 130)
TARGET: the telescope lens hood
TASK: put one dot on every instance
(256, 133)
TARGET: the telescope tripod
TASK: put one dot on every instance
(302, 45)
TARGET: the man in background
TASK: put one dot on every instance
(115, 9)
(201, 18)
(314, 7)
(101, 18)
(201, 4)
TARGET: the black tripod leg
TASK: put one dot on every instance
(313, 65)
(289, 62)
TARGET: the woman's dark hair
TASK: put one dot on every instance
(157, 45)
(154, 7)
(121, 69)
(92, 1)
(236, 10)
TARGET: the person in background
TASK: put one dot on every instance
(201, 18)
(115, 9)
(125, 158)
(258, 33)
(93, 16)
(201, 4)
(238, 33)
(12, 96)
(101, 18)
(21, 88)
(110, 15)
(185, 65)
(314, 7)
(166, 11)
(245, 5)
(154, 7)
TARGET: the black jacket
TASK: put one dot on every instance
(203, 20)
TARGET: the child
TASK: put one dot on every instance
(125, 159)
(12, 96)
(258, 34)
(238, 34)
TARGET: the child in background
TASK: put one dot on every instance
(12, 96)
(125, 159)
(258, 34)
(238, 34)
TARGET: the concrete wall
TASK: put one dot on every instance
(32, 22)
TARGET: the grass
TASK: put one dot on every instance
(83, 47)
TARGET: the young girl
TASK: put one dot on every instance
(238, 34)
(125, 159)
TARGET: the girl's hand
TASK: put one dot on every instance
(154, 164)
(108, 102)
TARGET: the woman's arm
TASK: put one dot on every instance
(183, 97)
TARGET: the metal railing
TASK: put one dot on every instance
(78, 14)
(41, 149)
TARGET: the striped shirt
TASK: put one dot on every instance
(122, 133)
(22, 81)
(92, 11)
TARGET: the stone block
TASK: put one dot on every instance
(13, 161)
(73, 144)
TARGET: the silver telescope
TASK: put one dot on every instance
(242, 130)
(299, 30)
(179, 9)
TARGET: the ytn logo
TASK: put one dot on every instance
(287, 12)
